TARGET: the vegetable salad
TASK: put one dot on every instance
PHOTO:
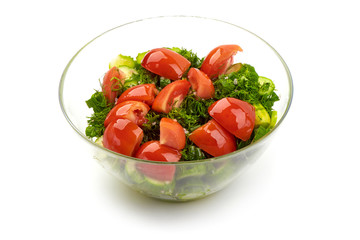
(170, 102)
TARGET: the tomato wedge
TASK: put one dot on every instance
(123, 136)
(134, 111)
(166, 63)
(236, 116)
(171, 96)
(219, 59)
(201, 83)
(155, 151)
(213, 139)
(111, 83)
(172, 133)
(144, 93)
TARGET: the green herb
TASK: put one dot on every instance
(260, 132)
(189, 55)
(244, 85)
(101, 108)
(151, 128)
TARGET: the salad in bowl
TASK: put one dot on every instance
(170, 122)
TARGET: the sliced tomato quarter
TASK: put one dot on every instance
(144, 93)
(171, 96)
(155, 151)
(213, 139)
(201, 83)
(111, 83)
(172, 134)
(166, 63)
(123, 136)
(134, 111)
(235, 115)
(219, 59)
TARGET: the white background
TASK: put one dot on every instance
(306, 185)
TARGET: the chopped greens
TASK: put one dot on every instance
(101, 108)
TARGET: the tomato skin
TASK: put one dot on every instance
(236, 116)
(219, 59)
(134, 111)
(144, 93)
(201, 83)
(166, 63)
(111, 83)
(154, 151)
(171, 96)
(123, 136)
(172, 134)
(213, 139)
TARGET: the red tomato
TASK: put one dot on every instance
(201, 83)
(213, 139)
(171, 96)
(172, 133)
(111, 83)
(144, 93)
(154, 151)
(134, 111)
(236, 116)
(166, 63)
(219, 59)
(123, 136)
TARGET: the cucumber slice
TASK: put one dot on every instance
(190, 171)
(273, 119)
(266, 85)
(132, 173)
(191, 188)
(233, 68)
(122, 60)
(156, 187)
(262, 117)
(128, 71)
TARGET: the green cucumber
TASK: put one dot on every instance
(234, 68)
(273, 119)
(266, 85)
(133, 174)
(156, 187)
(190, 171)
(122, 60)
(128, 71)
(262, 117)
(191, 188)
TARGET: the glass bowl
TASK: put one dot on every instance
(193, 179)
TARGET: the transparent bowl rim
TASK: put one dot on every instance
(229, 155)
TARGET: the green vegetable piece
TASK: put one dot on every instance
(191, 188)
(234, 68)
(156, 187)
(262, 117)
(132, 173)
(273, 119)
(260, 132)
(164, 82)
(122, 60)
(127, 71)
(266, 85)
(101, 108)
(140, 57)
(189, 55)
(190, 171)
